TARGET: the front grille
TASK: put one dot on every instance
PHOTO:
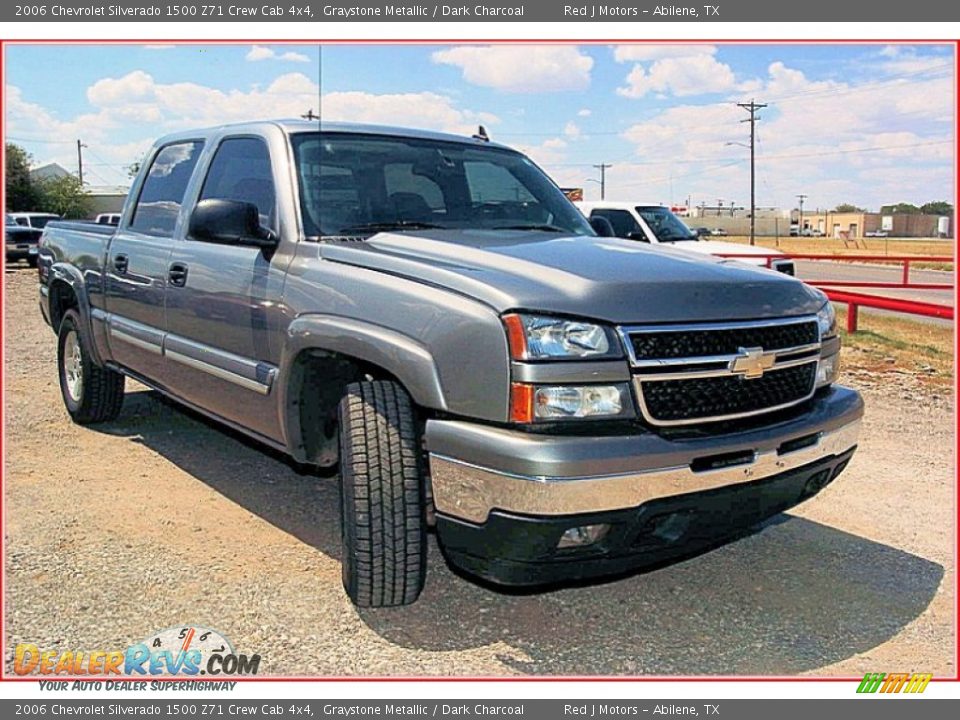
(720, 396)
(691, 343)
(708, 373)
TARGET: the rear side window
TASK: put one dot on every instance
(162, 194)
(622, 221)
(241, 171)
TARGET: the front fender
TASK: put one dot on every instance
(404, 358)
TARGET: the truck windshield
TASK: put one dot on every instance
(354, 184)
(665, 225)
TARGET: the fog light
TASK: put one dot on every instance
(828, 370)
(582, 536)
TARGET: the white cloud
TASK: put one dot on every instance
(423, 110)
(520, 68)
(648, 52)
(136, 105)
(836, 141)
(549, 152)
(572, 130)
(584, 112)
(259, 52)
(680, 76)
(159, 47)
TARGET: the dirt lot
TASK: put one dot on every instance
(161, 519)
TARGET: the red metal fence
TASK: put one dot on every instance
(856, 300)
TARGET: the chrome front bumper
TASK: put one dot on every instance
(477, 469)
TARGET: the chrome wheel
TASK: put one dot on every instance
(73, 366)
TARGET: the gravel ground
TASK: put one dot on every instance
(161, 519)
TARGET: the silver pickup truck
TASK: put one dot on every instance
(431, 315)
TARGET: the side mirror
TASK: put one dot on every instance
(638, 235)
(230, 222)
(602, 226)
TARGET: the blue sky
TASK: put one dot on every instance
(868, 124)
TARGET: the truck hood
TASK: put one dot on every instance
(619, 281)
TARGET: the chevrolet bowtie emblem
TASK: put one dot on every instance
(752, 362)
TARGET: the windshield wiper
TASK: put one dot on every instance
(533, 226)
(389, 225)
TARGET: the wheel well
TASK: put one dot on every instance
(318, 380)
(62, 298)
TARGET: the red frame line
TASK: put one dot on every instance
(489, 41)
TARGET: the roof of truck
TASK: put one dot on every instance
(293, 125)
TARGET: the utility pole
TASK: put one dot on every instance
(801, 198)
(603, 178)
(752, 107)
(80, 147)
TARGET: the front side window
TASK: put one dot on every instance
(355, 184)
(241, 171)
(164, 187)
(624, 224)
(665, 225)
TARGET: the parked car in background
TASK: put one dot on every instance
(876, 233)
(718, 232)
(657, 225)
(431, 315)
(107, 219)
(20, 241)
(701, 232)
(36, 220)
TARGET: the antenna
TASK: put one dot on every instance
(481, 134)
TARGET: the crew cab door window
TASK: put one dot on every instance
(623, 222)
(241, 171)
(162, 193)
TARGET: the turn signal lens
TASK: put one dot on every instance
(521, 403)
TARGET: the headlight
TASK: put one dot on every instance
(546, 403)
(827, 320)
(538, 337)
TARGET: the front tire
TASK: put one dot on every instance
(382, 496)
(91, 394)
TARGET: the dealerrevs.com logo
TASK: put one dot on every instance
(181, 651)
(894, 682)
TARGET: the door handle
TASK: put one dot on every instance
(177, 274)
(120, 263)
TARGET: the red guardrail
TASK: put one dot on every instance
(914, 307)
(855, 300)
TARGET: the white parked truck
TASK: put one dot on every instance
(656, 224)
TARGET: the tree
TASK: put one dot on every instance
(22, 193)
(848, 208)
(900, 209)
(938, 207)
(64, 196)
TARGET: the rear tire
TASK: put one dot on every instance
(92, 394)
(381, 497)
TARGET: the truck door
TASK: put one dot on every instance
(135, 267)
(223, 301)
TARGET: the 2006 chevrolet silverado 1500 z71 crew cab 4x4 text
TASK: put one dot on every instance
(431, 313)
